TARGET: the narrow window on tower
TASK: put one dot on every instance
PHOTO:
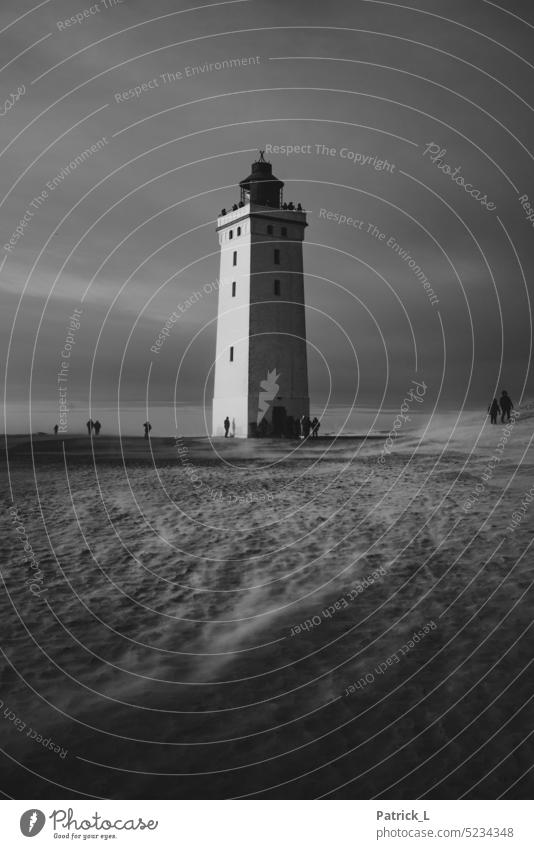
(269, 230)
(239, 231)
(231, 234)
(284, 231)
(276, 287)
(234, 284)
(235, 258)
(232, 354)
(276, 256)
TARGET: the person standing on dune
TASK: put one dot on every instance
(506, 406)
(90, 426)
(148, 427)
(97, 427)
(494, 410)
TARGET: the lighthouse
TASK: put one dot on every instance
(261, 373)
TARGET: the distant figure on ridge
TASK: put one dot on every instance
(56, 428)
(494, 410)
(90, 425)
(97, 427)
(506, 406)
(226, 426)
(148, 427)
(315, 425)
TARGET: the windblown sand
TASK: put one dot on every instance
(160, 653)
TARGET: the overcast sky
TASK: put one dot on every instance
(128, 234)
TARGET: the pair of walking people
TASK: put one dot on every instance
(93, 426)
(504, 406)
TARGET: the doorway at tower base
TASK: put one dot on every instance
(249, 421)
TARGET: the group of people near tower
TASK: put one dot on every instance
(504, 406)
(294, 428)
(93, 427)
(309, 427)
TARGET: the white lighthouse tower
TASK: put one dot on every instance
(261, 375)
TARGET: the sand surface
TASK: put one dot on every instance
(165, 650)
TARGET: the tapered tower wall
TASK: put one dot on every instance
(261, 374)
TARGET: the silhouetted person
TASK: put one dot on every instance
(90, 425)
(305, 425)
(506, 406)
(148, 427)
(263, 428)
(56, 428)
(494, 410)
(226, 426)
(315, 425)
(97, 427)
